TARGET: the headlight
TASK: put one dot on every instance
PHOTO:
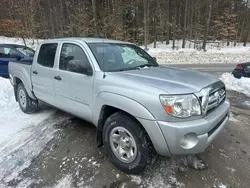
(181, 106)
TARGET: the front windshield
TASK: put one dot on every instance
(113, 57)
(26, 51)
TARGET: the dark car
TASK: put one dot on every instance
(12, 52)
(242, 70)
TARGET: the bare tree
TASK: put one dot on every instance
(94, 16)
(185, 24)
(145, 3)
(209, 13)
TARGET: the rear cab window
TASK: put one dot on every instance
(47, 53)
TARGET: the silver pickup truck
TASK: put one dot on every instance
(139, 108)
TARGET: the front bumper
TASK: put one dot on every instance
(192, 137)
(189, 137)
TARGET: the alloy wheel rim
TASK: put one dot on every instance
(123, 144)
(22, 98)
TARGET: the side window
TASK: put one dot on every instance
(8, 53)
(74, 59)
(46, 56)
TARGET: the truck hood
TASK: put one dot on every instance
(171, 80)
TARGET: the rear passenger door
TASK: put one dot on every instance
(74, 85)
(43, 73)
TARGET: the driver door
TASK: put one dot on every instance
(73, 88)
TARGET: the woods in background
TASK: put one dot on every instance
(137, 21)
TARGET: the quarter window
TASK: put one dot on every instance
(74, 59)
(46, 56)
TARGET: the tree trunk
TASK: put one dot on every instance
(24, 41)
(94, 17)
(145, 3)
(191, 21)
(155, 32)
(185, 25)
(167, 20)
(174, 24)
(247, 34)
(210, 5)
(50, 21)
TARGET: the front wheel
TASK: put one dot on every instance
(27, 104)
(126, 143)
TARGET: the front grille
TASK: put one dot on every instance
(211, 97)
(216, 98)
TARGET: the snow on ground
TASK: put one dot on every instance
(65, 182)
(163, 174)
(240, 85)
(166, 55)
(11, 40)
(22, 136)
(214, 54)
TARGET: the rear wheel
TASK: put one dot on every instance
(237, 75)
(126, 143)
(27, 104)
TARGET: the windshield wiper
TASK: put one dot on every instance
(133, 68)
(145, 65)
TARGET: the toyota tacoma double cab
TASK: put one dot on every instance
(140, 108)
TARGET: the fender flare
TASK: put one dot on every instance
(122, 103)
(19, 75)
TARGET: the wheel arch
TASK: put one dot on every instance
(21, 79)
(109, 103)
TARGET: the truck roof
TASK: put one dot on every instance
(87, 40)
(12, 45)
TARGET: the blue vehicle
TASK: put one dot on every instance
(13, 52)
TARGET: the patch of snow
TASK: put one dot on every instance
(166, 55)
(222, 185)
(247, 103)
(136, 179)
(96, 164)
(232, 170)
(32, 43)
(224, 155)
(65, 182)
(240, 85)
(123, 185)
(22, 136)
(25, 183)
(211, 48)
(233, 119)
(163, 175)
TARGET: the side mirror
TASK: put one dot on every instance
(79, 67)
(155, 58)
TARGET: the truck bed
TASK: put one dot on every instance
(22, 71)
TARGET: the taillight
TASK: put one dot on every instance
(239, 67)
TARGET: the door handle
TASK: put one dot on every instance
(35, 72)
(58, 78)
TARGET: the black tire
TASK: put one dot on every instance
(237, 75)
(143, 156)
(28, 105)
